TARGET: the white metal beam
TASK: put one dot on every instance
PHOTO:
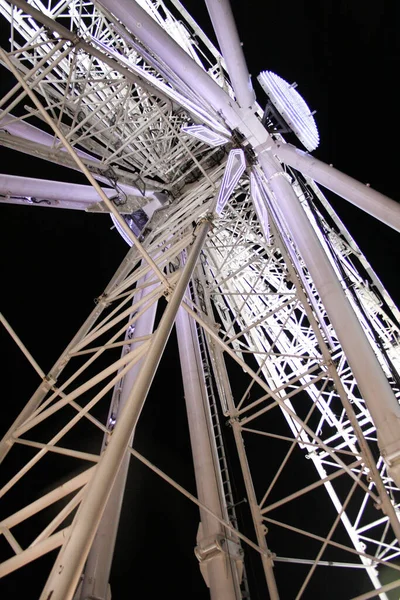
(225, 29)
(361, 195)
(65, 575)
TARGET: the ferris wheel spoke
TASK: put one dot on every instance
(284, 332)
(225, 29)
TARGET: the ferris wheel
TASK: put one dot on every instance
(288, 343)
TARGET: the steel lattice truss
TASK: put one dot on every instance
(254, 302)
(264, 314)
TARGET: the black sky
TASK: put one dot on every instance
(345, 57)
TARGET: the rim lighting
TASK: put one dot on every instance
(292, 108)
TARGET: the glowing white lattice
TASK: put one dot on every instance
(193, 108)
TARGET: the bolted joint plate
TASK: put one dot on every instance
(207, 549)
(216, 548)
(389, 445)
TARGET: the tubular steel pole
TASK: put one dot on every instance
(268, 564)
(64, 195)
(98, 566)
(147, 30)
(65, 575)
(51, 378)
(369, 200)
(371, 379)
(220, 569)
(31, 133)
(142, 25)
(225, 29)
(266, 556)
(111, 207)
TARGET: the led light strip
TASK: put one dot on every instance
(201, 132)
(292, 107)
(235, 167)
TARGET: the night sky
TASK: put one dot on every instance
(345, 57)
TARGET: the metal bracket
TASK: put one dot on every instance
(131, 204)
(272, 120)
(207, 550)
(221, 547)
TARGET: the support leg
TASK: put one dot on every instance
(218, 569)
(65, 575)
(95, 583)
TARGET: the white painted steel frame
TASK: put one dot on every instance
(261, 312)
(237, 303)
(96, 575)
(217, 564)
